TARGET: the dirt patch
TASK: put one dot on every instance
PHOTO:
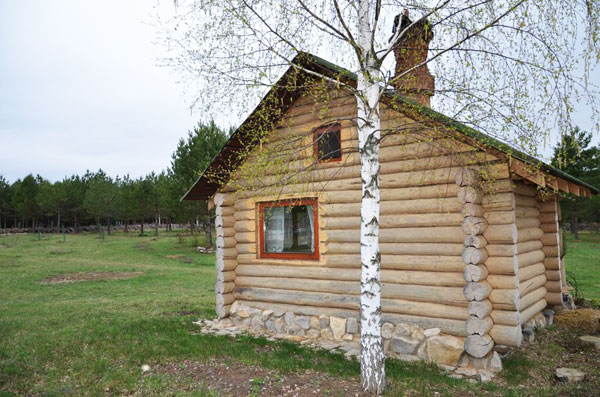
(584, 320)
(143, 246)
(89, 276)
(183, 258)
(236, 379)
(59, 251)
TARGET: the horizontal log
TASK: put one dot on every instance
(246, 248)
(549, 227)
(479, 326)
(224, 288)
(551, 251)
(552, 263)
(228, 231)
(442, 234)
(533, 310)
(223, 311)
(325, 273)
(474, 226)
(308, 298)
(224, 299)
(416, 248)
(478, 346)
(524, 223)
(498, 202)
(548, 206)
(423, 206)
(554, 298)
(530, 258)
(227, 211)
(230, 253)
(494, 187)
(467, 177)
(528, 234)
(532, 297)
(549, 239)
(553, 275)
(226, 242)
(506, 317)
(553, 286)
(249, 215)
(507, 335)
(391, 221)
(527, 212)
(525, 201)
(498, 234)
(500, 217)
(479, 309)
(470, 209)
(475, 273)
(414, 293)
(505, 299)
(246, 237)
(548, 217)
(477, 291)
(407, 193)
(225, 265)
(475, 241)
(529, 246)
(508, 281)
(508, 249)
(226, 276)
(502, 265)
(532, 284)
(526, 190)
(470, 194)
(245, 226)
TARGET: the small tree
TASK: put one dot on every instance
(100, 198)
(575, 156)
(24, 200)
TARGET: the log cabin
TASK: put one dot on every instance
(470, 242)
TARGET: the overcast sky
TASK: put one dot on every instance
(80, 89)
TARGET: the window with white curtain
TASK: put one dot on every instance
(288, 229)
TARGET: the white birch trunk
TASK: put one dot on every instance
(372, 365)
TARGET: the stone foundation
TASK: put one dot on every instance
(402, 341)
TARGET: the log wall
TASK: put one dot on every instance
(531, 255)
(553, 266)
(421, 228)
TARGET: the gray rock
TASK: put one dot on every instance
(407, 357)
(267, 314)
(270, 324)
(315, 323)
(431, 332)
(549, 314)
(289, 318)
(280, 326)
(324, 321)
(295, 329)
(569, 375)
(352, 325)
(485, 376)
(257, 324)
(529, 334)
(589, 340)
(387, 330)
(404, 344)
(466, 371)
(303, 322)
(329, 345)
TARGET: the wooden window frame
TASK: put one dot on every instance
(289, 255)
(323, 130)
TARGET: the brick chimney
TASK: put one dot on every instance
(411, 50)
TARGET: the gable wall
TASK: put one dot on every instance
(421, 238)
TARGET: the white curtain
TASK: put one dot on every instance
(274, 229)
(310, 213)
(288, 227)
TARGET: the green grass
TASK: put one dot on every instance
(92, 337)
(583, 263)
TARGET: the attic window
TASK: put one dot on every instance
(288, 229)
(328, 143)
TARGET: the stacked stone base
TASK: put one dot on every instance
(402, 341)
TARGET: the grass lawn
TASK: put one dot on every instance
(92, 336)
(583, 263)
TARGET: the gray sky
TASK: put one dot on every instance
(80, 89)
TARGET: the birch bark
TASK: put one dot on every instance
(372, 366)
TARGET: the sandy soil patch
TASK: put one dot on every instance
(89, 276)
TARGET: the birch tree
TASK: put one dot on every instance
(513, 69)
